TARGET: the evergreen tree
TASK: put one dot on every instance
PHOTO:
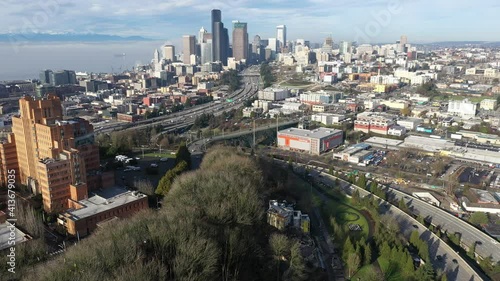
(385, 250)
(183, 154)
(362, 181)
(347, 249)
(402, 205)
(166, 181)
(353, 262)
(415, 238)
(408, 267)
(367, 254)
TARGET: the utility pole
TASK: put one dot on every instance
(254, 133)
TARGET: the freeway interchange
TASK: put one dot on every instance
(186, 117)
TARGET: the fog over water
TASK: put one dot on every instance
(26, 61)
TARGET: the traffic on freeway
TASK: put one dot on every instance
(250, 83)
(443, 257)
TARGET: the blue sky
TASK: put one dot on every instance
(167, 20)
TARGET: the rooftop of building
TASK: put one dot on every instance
(316, 133)
(426, 143)
(281, 209)
(102, 201)
(6, 230)
(384, 141)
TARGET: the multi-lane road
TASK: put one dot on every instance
(442, 256)
(184, 118)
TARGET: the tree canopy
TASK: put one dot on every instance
(210, 228)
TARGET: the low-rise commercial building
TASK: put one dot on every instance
(328, 118)
(314, 142)
(488, 104)
(409, 123)
(463, 108)
(396, 131)
(351, 150)
(272, 94)
(84, 215)
(371, 122)
(322, 107)
(477, 200)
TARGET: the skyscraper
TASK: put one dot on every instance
(217, 28)
(169, 52)
(404, 40)
(281, 36)
(220, 38)
(240, 41)
(273, 44)
(45, 76)
(188, 48)
(256, 48)
(206, 51)
(345, 47)
(327, 45)
(156, 56)
(201, 35)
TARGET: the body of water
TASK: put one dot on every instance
(26, 61)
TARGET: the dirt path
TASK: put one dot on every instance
(371, 222)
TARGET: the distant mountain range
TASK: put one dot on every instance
(67, 37)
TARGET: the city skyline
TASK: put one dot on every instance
(365, 21)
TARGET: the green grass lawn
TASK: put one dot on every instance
(365, 272)
(345, 214)
(390, 271)
(157, 154)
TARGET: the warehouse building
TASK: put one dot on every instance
(314, 142)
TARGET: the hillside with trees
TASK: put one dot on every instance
(212, 227)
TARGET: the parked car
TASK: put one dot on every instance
(163, 159)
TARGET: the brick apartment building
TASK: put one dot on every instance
(54, 157)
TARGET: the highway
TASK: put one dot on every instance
(450, 261)
(197, 146)
(186, 117)
(487, 246)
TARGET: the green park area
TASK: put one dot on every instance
(346, 214)
(157, 154)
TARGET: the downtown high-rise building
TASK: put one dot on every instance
(188, 48)
(281, 37)
(54, 157)
(257, 49)
(206, 51)
(220, 38)
(201, 35)
(403, 40)
(169, 53)
(240, 41)
(345, 47)
(272, 44)
(58, 78)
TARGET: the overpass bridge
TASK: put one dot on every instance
(245, 137)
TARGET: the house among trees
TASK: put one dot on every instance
(281, 215)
